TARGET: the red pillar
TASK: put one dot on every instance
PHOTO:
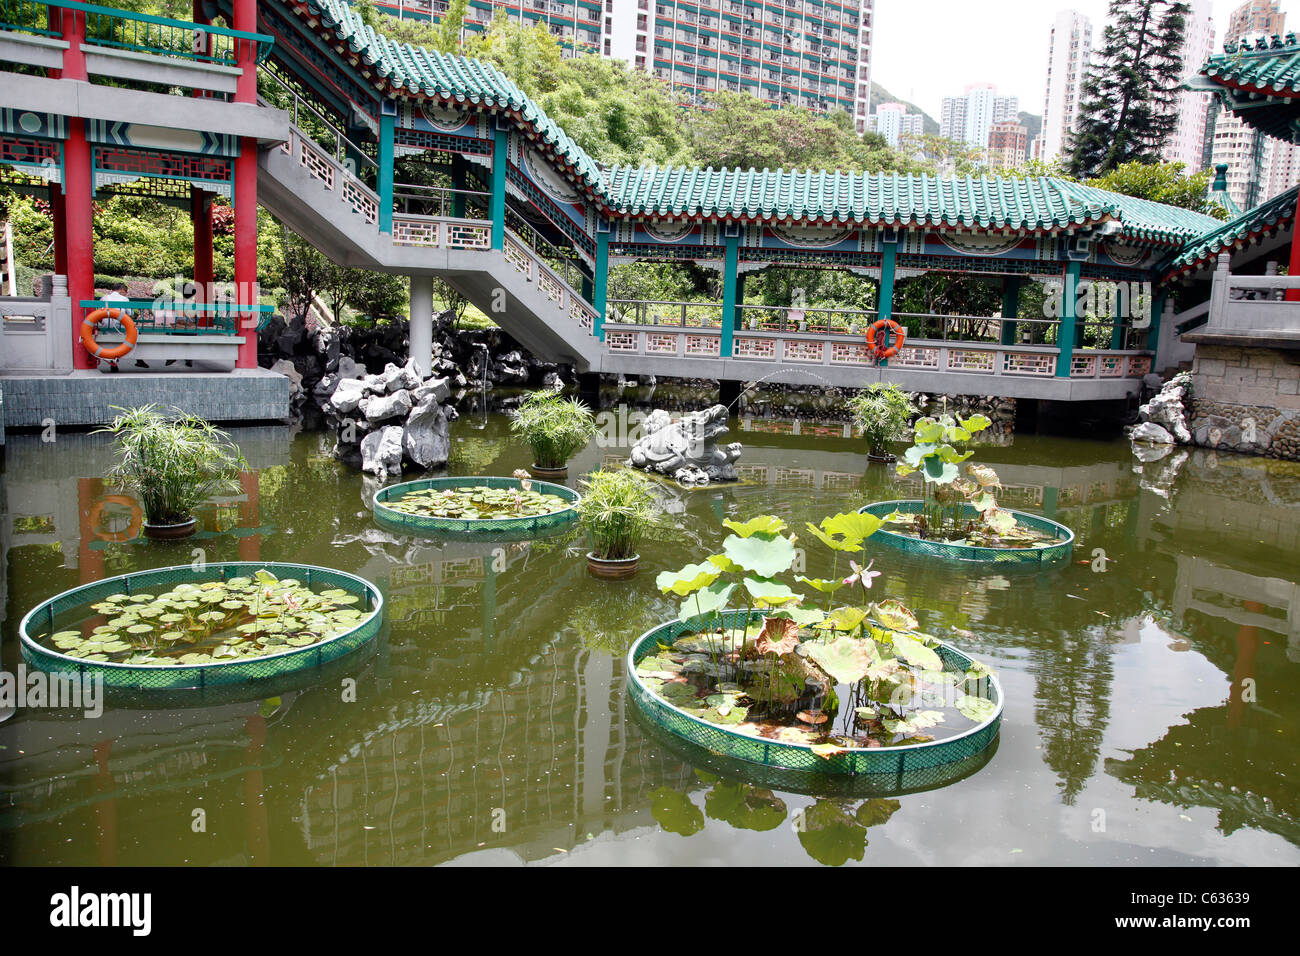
(201, 212)
(250, 548)
(256, 831)
(1293, 268)
(105, 805)
(78, 236)
(246, 190)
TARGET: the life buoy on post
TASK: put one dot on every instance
(878, 335)
(88, 334)
(133, 526)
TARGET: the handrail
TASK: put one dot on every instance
(179, 305)
(263, 41)
(300, 104)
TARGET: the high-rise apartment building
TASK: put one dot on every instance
(969, 117)
(1283, 169)
(810, 53)
(1008, 145)
(1186, 143)
(893, 121)
(1068, 54)
(1245, 151)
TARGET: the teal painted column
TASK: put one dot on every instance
(885, 303)
(730, 268)
(587, 288)
(1049, 501)
(458, 184)
(1067, 332)
(1010, 308)
(499, 142)
(387, 122)
(600, 281)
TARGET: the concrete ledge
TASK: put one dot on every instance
(32, 50)
(1259, 340)
(85, 398)
(148, 68)
(79, 98)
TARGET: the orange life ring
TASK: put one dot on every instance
(132, 529)
(877, 342)
(88, 334)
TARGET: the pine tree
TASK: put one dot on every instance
(1128, 105)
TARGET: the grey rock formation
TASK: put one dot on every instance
(382, 408)
(687, 450)
(426, 438)
(381, 451)
(1168, 410)
(347, 396)
(1151, 432)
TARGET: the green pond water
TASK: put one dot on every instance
(1152, 708)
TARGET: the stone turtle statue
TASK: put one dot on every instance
(687, 450)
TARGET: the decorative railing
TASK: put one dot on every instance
(308, 125)
(1252, 306)
(136, 32)
(181, 317)
(793, 348)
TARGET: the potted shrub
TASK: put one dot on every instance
(172, 464)
(617, 509)
(882, 411)
(555, 428)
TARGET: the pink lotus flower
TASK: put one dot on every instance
(865, 575)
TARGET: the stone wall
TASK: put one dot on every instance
(1247, 400)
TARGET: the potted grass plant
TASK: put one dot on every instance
(618, 508)
(883, 412)
(555, 428)
(172, 464)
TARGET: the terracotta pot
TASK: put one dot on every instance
(549, 474)
(609, 569)
(168, 532)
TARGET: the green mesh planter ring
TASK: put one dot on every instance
(1054, 553)
(912, 762)
(149, 677)
(484, 528)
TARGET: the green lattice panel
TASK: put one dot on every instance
(147, 677)
(1040, 557)
(918, 762)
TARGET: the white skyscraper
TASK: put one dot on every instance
(1187, 142)
(969, 117)
(891, 120)
(1068, 55)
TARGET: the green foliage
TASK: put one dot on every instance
(883, 412)
(554, 427)
(171, 463)
(307, 274)
(1162, 182)
(1128, 103)
(618, 508)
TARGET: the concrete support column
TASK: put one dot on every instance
(500, 143)
(1067, 332)
(1010, 308)
(421, 333)
(730, 268)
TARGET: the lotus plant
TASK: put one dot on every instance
(775, 663)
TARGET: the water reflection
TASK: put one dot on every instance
(1151, 675)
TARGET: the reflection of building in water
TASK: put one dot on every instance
(1225, 594)
(533, 767)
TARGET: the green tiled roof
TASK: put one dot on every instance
(1250, 70)
(1036, 204)
(1266, 218)
(402, 68)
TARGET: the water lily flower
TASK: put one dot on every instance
(865, 575)
(780, 635)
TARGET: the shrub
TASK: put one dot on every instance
(883, 413)
(554, 427)
(618, 508)
(171, 463)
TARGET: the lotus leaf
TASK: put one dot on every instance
(893, 614)
(767, 557)
(763, 525)
(831, 836)
(846, 659)
(978, 709)
(688, 580)
(914, 652)
(674, 811)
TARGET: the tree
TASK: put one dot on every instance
(1162, 182)
(1128, 102)
(448, 34)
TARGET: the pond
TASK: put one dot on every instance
(1151, 683)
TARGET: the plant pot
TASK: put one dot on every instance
(610, 569)
(879, 454)
(168, 532)
(549, 474)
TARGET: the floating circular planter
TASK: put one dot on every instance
(405, 507)
(610, 568)
(1059, 549)
(342, 613)
(918, 761)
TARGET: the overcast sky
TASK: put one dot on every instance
(928, 49)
